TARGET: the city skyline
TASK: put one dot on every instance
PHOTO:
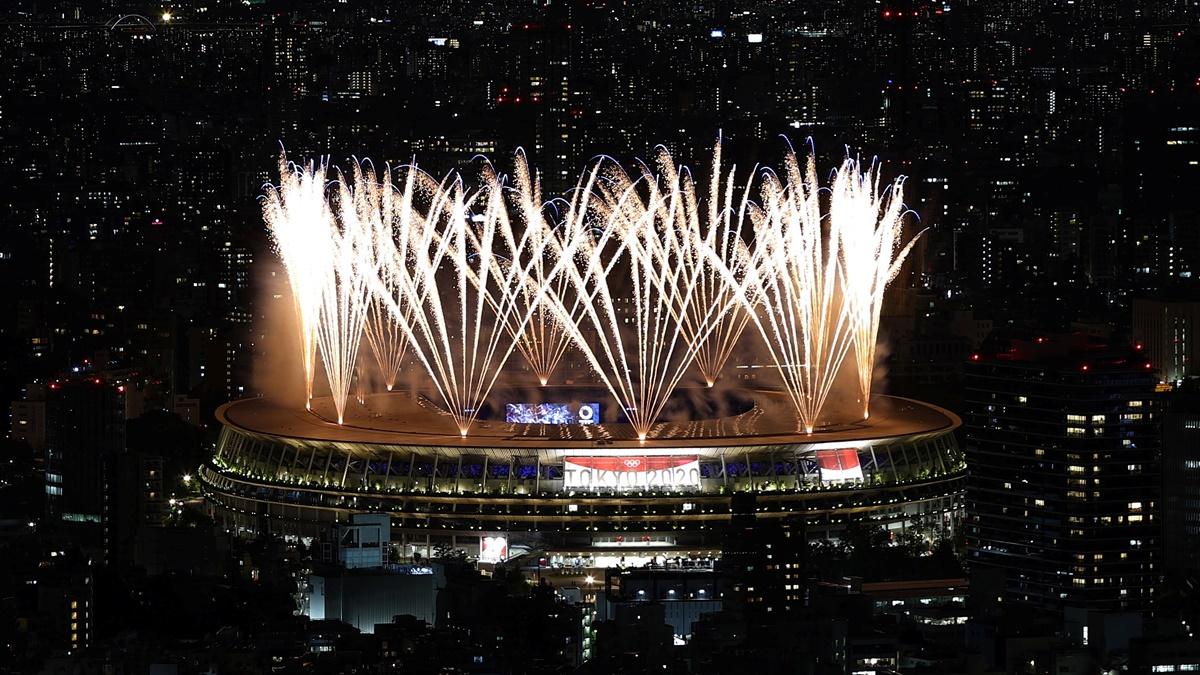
(1022, 499)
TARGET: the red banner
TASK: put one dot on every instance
(839, 464)
(629, 473)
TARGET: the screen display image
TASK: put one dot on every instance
(552, 413)
(493, 549)
(839, 465)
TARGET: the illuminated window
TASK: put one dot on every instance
(1135, 507)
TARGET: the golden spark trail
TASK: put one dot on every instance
(380, 206)
(345, 292)
(641, 352)
(462, 337)
(869, 226)
(794, 276)
(298, 217)
(636, 271)
(717, 231)
(544, 342)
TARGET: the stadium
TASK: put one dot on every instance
(566, 482)
(621, 456)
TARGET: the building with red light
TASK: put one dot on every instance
(1062, 445)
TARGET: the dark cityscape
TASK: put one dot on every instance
(600, 336)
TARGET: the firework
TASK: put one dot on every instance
(794, 276)
(461, 290)
(714, 237)
(544, 341)
(345, 291)
(298, 217)
(381, 208)
(869, 225)
(635, 271)
(636, 285)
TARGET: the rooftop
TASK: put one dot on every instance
(399, 418)
(1064, 351)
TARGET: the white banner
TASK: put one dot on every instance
(631, 473)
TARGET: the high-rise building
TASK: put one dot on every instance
(1181, 481)
(29, 418)
(85, 431)
(1062, 447)
(764, 562)
(65, 607)
(1167, 330)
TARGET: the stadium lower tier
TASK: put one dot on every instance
(250, 507)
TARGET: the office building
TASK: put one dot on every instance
(1062, 448)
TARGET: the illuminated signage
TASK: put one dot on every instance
(412, 570)
(552, 413)
(631, 473)
(493, 549)
(838, 465)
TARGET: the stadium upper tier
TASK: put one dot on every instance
(706, 427)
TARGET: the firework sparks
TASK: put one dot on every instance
(794, 274)
(544, 341)
(869, 225)
(381, 208)
(298, 217)
(647, 335)
(462, 309)
(345, 292)
(713, 237)
(636, 272)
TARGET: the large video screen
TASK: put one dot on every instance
(552, 413)
(839, 465)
